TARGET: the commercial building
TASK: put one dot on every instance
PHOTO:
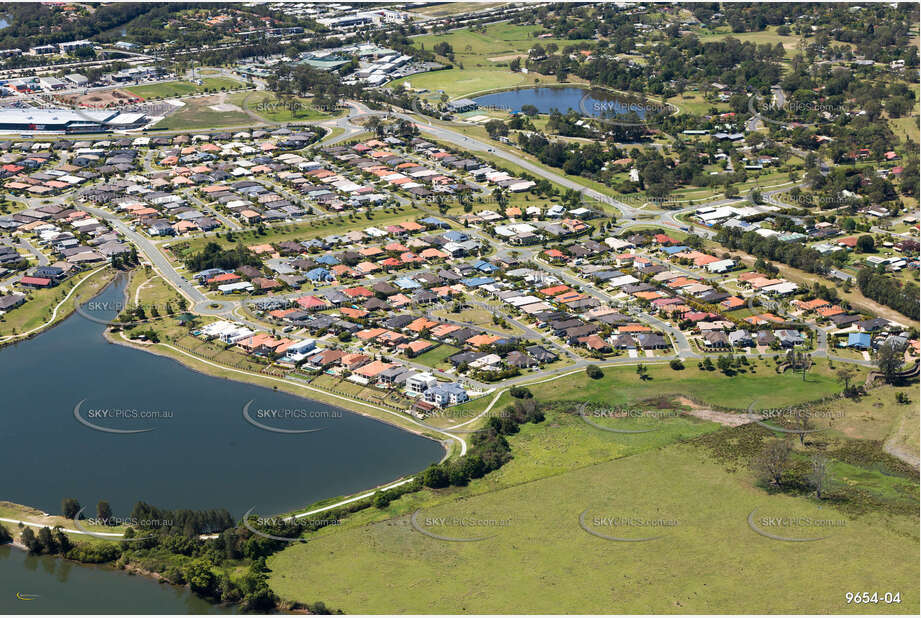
(67, 120)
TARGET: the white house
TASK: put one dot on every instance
(420, 382)
(721, 266)
(300, 350)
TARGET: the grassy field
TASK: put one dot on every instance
(454, 8)
(878, 416)
(267, 105)
(490, 45)
(768, 35)
(481, 59)
(477, 316)
(906, 127)
(198, 114)
(695, 103)
(460, 82)
(148, 289)
(621, 385)
(181, 88)
(41, 303)
(303, 231)
(437, 357)
(707, 560)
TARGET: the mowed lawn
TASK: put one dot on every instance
(437, 357)
(539, 559)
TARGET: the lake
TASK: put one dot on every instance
(58, 586)
(586, 102)
(196, 451)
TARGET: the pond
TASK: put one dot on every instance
(586, 102)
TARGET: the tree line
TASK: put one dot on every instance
(884, 289)
(793, 254)
(213, 256)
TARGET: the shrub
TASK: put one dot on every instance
(520, 392)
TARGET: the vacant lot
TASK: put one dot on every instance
(478, 317)
(459, 82)
(621, 385)
(539, 559)
(100, 98)
(201, 114)
(181, 89)
(455, 8)
(302, 231)
(272, 108)
(495, 40)
(437, 357)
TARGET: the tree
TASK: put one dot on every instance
(201, 579)
(62, 540)
(70, 507)
(799, 361)
(5, 536)
(676, 364)
(496, 128)
(520, 392)
(529, 110)
(435, 477)
(474, 467)
(803, 423)
(381, 499)
(28, 539)
(818, 475)
(772, 463)
(865, 243)
(104, 512)
(46, 541)
(889, 361)
(844, 375)
(594, 372)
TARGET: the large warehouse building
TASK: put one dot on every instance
(67, 120)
